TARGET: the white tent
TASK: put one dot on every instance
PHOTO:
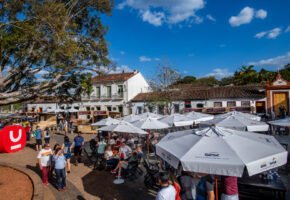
(177, 120)
(281, 122)
(150, 123)
(72, 110)
(58, 110)
(199, 117)
(123, 127)
(132, 118)
(240, 114)
(238, 123)
(149, 114)
(221, 151)
(106, 122)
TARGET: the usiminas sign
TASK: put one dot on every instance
(12, 139)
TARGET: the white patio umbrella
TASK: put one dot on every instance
(221, 151)
(199, 117)
(106, 122)
(240, 114)
(123, 127)
(58, 110)
(149, 114)
(281, 122)
(150, 123)
(237, 123)
(72, 110)
(131, 118)
(177, 120)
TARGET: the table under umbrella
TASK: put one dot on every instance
(240, 114)
(237, 123)
(198, 117)
(281, 122)
(150, 123)
(123, 127)
(221, 151)
(106, 122)
(177, 120)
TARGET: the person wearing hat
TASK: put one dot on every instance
(44, 162)
(167, 191)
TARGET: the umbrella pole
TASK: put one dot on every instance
(216, 188)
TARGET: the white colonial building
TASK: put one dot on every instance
(185, 98)
(111, 95)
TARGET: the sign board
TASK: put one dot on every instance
(12, 139)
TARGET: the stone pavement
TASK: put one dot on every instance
(82, 182)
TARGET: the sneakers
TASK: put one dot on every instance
(113, 172)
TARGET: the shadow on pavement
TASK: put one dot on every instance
(100, 184)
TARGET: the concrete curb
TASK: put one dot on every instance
(38, 191)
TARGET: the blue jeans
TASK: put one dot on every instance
(60, 178)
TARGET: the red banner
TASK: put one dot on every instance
(12, 139)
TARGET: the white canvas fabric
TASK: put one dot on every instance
(124, 127)
(150, 123)
(106, 122)
(238, 123)
(149, 114)
(240, 114)
(131, 118)
(281, 122)
(221, 151)
(177, 120)
(199, 117)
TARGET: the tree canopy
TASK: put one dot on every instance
(54, 41)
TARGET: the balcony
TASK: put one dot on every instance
(218, 110)
(116, 96)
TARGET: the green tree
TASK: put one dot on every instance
(285, 72)
(245, 75)
(53, 40)
(206, 81)
(186, 80)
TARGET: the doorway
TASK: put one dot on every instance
(280, 99)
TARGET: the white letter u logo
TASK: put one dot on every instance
(13, 139)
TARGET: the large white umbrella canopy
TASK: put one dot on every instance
(198, 117)
(177, 120)
(123, 127)
(240, 114)
(132, 118)
(58, 110)
(106, 122)
(149, 114)
(221, 151)
(281, 122)
(72, 110)
(150, 123)
(238, 123)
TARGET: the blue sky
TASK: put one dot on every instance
(199, 37)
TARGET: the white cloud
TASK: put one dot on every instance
(270, 34)
(261, 14)
(154, 18)
(287, 29)
(157, 59)
(122, 52)
(158, 12)
(246, 15)
(211, 18)
(120, 69)
(220, 73)
(278, 61)
(144, 59)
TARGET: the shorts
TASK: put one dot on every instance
(230, 197)
(67, 156)
(78, 150)
(125, 165)
(38, 142)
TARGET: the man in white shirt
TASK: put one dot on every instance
(167, 191)
(44, 162)
(125, 150)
